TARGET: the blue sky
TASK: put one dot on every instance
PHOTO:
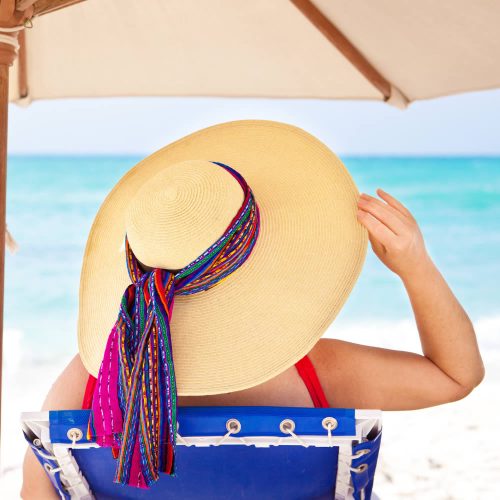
(466, 124)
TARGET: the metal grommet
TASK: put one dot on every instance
(360, 453)
(329, 423)
(37, 443)
(48, 468)
(360, 468)
(287, 426)
(233, 426)
(74, 434)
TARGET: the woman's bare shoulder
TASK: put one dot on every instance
(333, 354)
(68, 389)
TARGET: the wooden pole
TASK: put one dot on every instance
(4, 100)
(41, 7)
(5, 57)
(9, 20)
(10, 17)
(344, 46)
(22, 67)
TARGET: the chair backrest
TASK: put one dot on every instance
(224, 452)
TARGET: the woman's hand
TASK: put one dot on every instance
(394, 234)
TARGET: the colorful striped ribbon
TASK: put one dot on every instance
(134, 402)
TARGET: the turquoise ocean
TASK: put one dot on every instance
(52, 201)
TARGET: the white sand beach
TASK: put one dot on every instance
(442, 453)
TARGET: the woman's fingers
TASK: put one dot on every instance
(385, 213)
(376, 228)
(394, 233)
(394, 203)
(377, 247)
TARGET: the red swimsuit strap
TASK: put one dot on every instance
(89, 393)
(304, 367)
(310, 377)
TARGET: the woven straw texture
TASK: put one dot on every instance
(270, 312)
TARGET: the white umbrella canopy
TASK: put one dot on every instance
(393, 50)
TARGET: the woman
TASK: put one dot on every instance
(309, 210)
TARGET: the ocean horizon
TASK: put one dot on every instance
(52, 200)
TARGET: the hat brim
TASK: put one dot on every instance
(271, 311)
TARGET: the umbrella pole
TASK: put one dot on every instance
(7, 57)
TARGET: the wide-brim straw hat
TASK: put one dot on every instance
(271, 311)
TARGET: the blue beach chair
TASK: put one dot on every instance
(224, 452)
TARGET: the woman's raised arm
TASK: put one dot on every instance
(446, 332)
(451, 365)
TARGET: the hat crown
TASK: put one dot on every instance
(177, 214)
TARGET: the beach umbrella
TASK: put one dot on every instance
(396, 51)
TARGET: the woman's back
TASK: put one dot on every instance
(299, 385)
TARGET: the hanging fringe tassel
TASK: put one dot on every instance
(10, 242)
(134, 407)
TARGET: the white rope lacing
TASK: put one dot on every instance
(330, 424)
(233, 426)
(360, 453)
(75, 434)
(223, 438)
(7, 38)
(70, 476)
(46, 456)
(287, 426)
(67, 484)
(360, 468)
(297, 438)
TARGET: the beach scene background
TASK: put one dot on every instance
(446, 452)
